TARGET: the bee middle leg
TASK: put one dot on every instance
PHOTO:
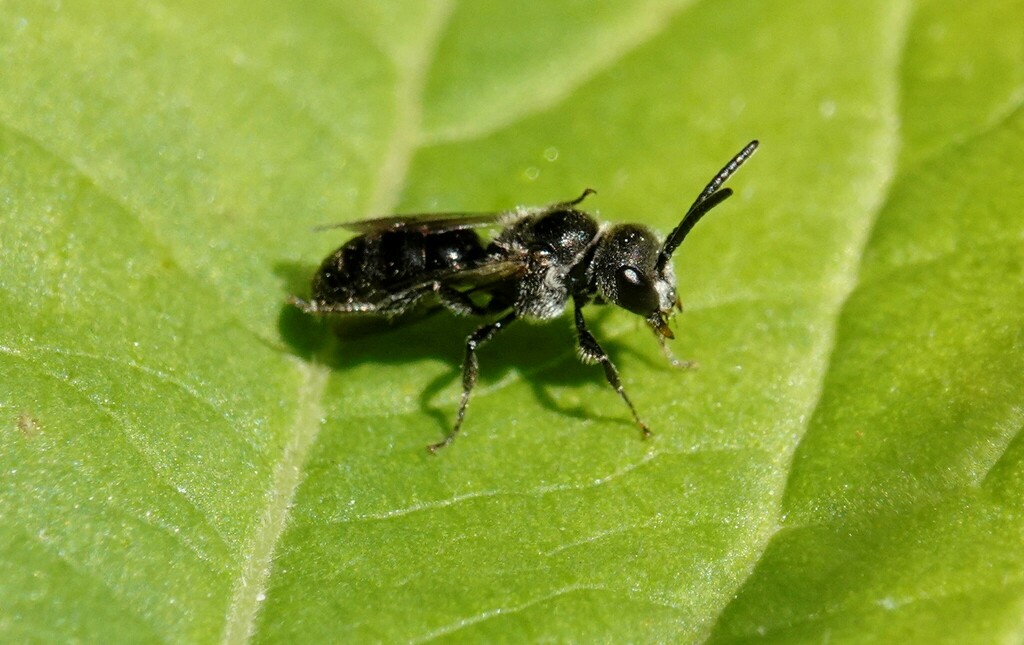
(470, 370)
(592, 352)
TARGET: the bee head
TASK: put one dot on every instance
(627, 274)
(634, 270)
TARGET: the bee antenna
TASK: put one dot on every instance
(712, 195)
(586, 193)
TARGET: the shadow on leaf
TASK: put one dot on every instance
(543, 355)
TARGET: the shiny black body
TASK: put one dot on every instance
(385, 272)
(542, 259)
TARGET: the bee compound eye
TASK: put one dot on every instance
(634, 291)
(631, 276)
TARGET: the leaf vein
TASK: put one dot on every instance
(240, 621)
(126, 430)
(844, 283)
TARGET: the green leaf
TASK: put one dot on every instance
(184, 457)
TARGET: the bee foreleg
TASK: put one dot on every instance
(675, 362)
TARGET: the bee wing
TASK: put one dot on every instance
(467, 280)
(485, 274)
(427, 222)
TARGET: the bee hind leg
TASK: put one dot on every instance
(457, 302)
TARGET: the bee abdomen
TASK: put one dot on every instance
(381, 268)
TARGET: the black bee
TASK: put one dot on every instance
(542, 258)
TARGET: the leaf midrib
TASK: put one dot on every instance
(254, 577)
(845, 286)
